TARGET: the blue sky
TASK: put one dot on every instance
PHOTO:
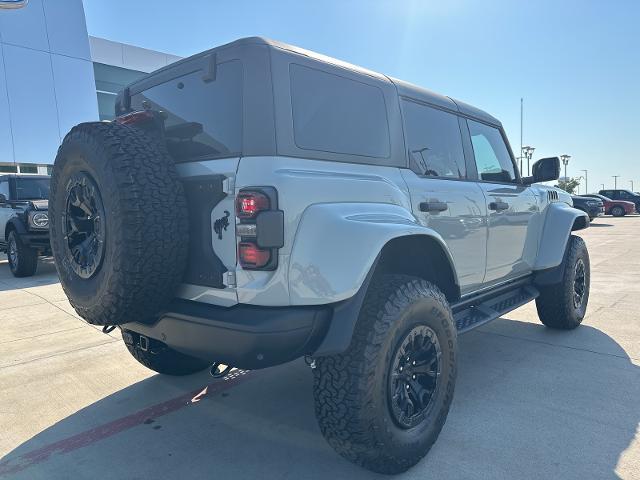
(576, 63)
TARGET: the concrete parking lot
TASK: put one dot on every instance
(530, 402)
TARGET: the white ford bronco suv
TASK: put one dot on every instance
(257, 203)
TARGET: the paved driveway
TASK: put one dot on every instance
(530, 403)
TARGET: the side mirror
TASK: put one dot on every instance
(544, 170)
(3, 199)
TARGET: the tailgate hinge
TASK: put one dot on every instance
(229, 185)
(231, 279)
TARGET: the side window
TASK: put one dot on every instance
(625, 194)
(4, 188)
(335, 114)
(433, 140)
(491, 154)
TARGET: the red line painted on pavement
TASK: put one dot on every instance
(84, 439)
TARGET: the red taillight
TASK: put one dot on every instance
(135, 118)
(248, 204)
(253, 257)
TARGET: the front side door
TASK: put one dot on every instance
(511, 206)
(6, 211)
(442, 196)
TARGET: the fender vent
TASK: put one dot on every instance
(552, 195)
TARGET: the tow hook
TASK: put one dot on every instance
(219, 370)
(310, 361)
(143, 343)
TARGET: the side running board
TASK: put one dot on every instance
(475, 315)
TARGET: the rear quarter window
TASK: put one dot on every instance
(336, 114)
(204, 119)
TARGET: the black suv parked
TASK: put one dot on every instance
(626, 195)
(24, 221)
(593, 207)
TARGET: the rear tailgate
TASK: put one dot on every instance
(212, 240)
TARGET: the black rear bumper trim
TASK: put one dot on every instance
(245, 336)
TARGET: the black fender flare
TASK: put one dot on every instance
(16, 224)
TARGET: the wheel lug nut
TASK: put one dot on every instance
(413, 377)
(413, 363)
(400, 368)
(407, 387)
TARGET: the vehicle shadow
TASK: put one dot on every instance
(529, 403)
(46, 274)
(594, 224)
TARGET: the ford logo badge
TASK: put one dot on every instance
(13, 3)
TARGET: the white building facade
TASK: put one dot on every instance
(54, 76)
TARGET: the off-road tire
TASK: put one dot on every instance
(146, 225)
(26, 262)
(165, 360)
(555, 305)
(350, 389)
(617, 211)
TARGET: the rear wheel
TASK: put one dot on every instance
(23, 260)
(160, 358)
(564, 305)
(617, 211)
(383, 402)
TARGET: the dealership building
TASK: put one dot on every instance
(53, 75)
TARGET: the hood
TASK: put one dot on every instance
(40, 204)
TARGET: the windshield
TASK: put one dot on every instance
(32, 188)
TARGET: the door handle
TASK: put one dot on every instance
(434, 206)
(497, 206)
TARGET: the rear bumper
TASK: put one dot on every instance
(244, 336)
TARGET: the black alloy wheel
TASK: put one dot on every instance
(83, 225)
(579, 284)
(413, 380)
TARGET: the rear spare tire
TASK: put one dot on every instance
(118, 223)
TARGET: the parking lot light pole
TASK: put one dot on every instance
(586, 181)
(527, 151)
(565, 160)
(631, 181)
(615, 181)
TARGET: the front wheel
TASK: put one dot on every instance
(563, 306)
(617, 211)
(382, 403)
(23, 260)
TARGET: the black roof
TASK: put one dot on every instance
(404, 88)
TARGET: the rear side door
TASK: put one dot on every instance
(511, 206)
(443, 197)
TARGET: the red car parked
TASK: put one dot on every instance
(617, 208)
